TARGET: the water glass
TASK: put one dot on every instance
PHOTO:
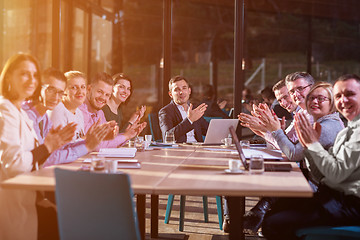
(227, 141)
(111, 166)
(97, 164)
(256, 164)
(245, 143)
(140, 144)
(131, 143)
(169, 138)
(148, 139)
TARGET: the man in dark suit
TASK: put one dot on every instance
(179, 117)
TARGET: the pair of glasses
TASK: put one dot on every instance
(53, 90)
(298, 89)
(319, 98)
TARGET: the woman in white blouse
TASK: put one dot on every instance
(19, 80)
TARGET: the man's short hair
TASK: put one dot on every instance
(280, 84)
(267, 93)
(74, 74)
(348, 77)
(296, 75)
(55, 73)
(177, 79)
(102, 76)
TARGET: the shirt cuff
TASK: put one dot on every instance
(189, 120)
(276, 133)
(315, 146)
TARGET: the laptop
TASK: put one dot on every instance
(218, 130)
(269, 167)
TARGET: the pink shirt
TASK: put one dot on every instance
(90, 118)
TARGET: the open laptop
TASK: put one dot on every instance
(218, 130)
(269, 167)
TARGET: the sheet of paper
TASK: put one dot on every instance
(266, 153)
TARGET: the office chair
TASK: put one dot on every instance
(330, 233)
(95, 206)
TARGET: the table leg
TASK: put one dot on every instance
(140, 206)
(154, 216)
(236, 211)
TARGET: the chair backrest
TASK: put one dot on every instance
(208, 119)
(95, 206)
(154, 126)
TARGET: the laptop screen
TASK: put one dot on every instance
(238, 147)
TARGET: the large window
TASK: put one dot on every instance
(26, 27)
(101, 46)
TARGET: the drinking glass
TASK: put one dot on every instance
(256, 164)
(227, 141)
(139, 143)
(169, 138)
(111, 166)
(97, 164)
(245, 144)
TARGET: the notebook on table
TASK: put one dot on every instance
(269, 167)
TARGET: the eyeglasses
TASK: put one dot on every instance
(53, 90)
(319, 98)
(298, 89)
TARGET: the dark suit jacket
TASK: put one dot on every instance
(170, 120)
(213, 110)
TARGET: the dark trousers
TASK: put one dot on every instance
(47, 220)
(327, 207)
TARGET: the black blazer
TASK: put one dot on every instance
(170, 120)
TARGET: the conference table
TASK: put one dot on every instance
(186, 170)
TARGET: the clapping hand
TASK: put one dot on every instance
(307, 134)
(134, 129)
(114, 130)
(96, 134)
(59, 136)
(137, 115)
(197, 113)
(267, 117)
(252, 122)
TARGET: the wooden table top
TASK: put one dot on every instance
(185, 170)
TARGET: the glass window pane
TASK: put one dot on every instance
(101, 43)
(26, 27)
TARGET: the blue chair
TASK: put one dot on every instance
(95, 206)
(182, 210)
(183, 199)
(208, 119)
(329, 233)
